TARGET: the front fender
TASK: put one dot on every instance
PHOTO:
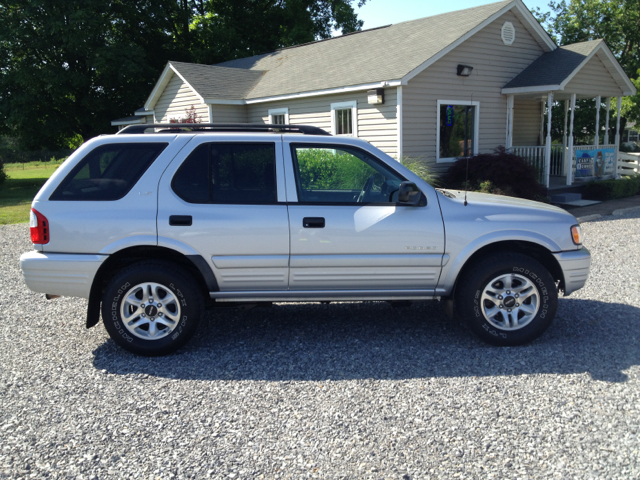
(462, 253)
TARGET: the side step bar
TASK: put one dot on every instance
(321, 295)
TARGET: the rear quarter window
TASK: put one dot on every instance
(108, 172)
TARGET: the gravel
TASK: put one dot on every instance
(351, 390)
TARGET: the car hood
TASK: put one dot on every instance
(491, 200)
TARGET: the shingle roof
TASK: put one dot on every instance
(375, 55)
(216, 82)
(553, 68)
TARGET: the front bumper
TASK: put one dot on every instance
(575, 268)
(59, 273)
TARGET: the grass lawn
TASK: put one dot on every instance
(17, 192)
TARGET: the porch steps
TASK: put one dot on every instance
(571, 198)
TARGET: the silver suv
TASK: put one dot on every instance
(157, 222)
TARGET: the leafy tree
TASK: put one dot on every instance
(618, 23)
(67, 68)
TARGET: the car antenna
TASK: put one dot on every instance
(466, 175)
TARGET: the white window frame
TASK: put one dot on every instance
(279, 111)
(476, 122)
(354, 117)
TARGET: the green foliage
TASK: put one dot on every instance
(70, 67)
(421, 169)
(500, 173)
(323, 169)
(3, 174)
(612, 189)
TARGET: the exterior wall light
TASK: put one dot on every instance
(464, 70)
(375, 97)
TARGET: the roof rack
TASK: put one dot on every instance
(220, 127)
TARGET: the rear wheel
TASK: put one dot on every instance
(152, 308)
(507, 299)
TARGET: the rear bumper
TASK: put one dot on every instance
(575, 268)
(59, 273)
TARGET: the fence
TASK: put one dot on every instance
(9, 156)
(628, 164)
(534, 156)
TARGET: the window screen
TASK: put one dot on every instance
(278, 119)
(231, 173)
(108, 172)
(344, 123)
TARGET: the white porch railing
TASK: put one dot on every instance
(535, 156)
(628, 164)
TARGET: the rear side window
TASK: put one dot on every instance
(228, 173)
(108, 172)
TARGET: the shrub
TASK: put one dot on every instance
(612, 189)
(421, 169)
(3, 174)
(501, 173)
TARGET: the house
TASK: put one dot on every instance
(436, 88)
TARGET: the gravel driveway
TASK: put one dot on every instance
(355, 390)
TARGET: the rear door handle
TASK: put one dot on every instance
(313, 222)
(180, 220)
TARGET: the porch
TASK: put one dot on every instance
(585, 71)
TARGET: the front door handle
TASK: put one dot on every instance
(180, 220)
(313, 222)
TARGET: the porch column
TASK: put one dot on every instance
(509, 141)
(564, 133)
(606, 126)
(542, 122)
(619, 106)
(547, 156)
(598, 103)
(569, 162)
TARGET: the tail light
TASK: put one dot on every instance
(39, 227)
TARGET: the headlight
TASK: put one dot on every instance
(576, 234)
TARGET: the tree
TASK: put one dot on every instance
(618, 23)
(67, 68)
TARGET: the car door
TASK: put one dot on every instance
(226, 202)
(348, 230)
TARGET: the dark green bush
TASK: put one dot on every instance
(500, 172)
(612, 189)
(3, 174)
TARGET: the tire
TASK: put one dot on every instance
(152, 308)
(507, 319)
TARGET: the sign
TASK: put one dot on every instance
(449, 115)
(595, 163)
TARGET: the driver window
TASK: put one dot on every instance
(342, 175)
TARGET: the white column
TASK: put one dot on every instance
(564, 133)
(399, 119)
(606, 126)
(509, 140)
(542, 123)
(569, 164)
(619, 106)
(547, 156)
(597, 137)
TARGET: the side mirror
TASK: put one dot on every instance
(409, 194)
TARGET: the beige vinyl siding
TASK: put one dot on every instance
(176, 98)
(526, 122)
(592, 80)
(229, 113)
(494, 64)
(377, 124)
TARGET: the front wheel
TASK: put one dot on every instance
(507, 299)
(152, 308)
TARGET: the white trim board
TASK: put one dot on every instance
(164, 79)
(476, 121)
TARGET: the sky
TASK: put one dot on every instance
(377, 13)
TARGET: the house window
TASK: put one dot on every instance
(344, 118)
(279, 116)
(633, 136)
(457, 129)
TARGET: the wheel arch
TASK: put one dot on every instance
(531, 249)
(194, 265)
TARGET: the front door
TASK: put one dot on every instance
(348, 231)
